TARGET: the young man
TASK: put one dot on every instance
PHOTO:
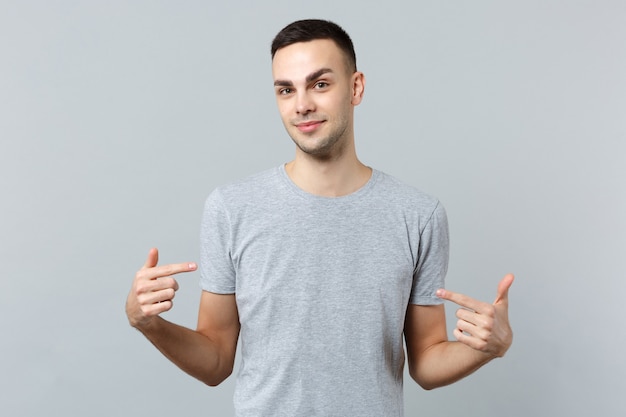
(322, 265)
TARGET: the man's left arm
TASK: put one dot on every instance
(483, 333)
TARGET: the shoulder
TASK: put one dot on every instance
(405, 195)
(251, 183)
(247, 187)
(246, 195)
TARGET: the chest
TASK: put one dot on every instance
(304, 255)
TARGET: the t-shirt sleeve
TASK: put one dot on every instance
(432, 262)
(217, 273)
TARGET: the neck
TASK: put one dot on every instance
(328, 177)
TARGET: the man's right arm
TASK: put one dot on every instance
(207, 353)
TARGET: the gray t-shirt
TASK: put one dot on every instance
(322, 287)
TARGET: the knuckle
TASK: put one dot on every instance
(481, 345)
(488, 325)
(168, 270)
(142, 301)
(170, 293)
(145, 311)
(142, 287)
(485, 336)
(141, 273)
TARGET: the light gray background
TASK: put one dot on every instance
(118, 118)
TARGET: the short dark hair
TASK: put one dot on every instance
(312, 29)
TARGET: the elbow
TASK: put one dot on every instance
(424, 383)
(426, 386)
(215, 379)
(214, 383)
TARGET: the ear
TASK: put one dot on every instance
(358, 87)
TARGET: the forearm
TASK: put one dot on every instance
(445, 363)
(190, 350)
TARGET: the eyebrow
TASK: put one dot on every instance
(312, 76)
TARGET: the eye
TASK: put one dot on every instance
(285, 91)
(320, 85)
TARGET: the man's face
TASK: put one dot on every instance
(316, 94)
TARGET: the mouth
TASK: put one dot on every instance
(309, 126)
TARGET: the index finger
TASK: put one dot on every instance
(168, 270)
(462, 300)
(171, 269)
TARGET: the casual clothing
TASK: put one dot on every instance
(322, 286)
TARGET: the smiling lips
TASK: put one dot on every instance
(309, 126)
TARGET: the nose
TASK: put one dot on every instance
(304, 104)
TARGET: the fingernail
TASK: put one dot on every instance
(192, 266)
(440, 293)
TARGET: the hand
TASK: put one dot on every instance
(153, 290)
(482, 326)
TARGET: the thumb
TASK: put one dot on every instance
(503, 289)
(153, 258)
